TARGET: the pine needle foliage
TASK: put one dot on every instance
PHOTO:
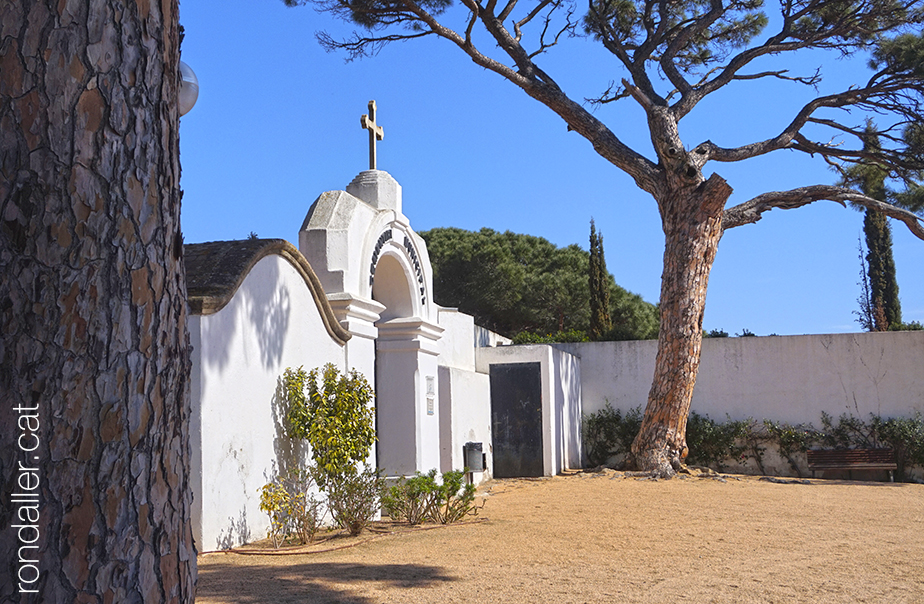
(513, 283)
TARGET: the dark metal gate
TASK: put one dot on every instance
(516, 419)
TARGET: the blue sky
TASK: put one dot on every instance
(277, 124)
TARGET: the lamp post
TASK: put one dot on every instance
(189, 89)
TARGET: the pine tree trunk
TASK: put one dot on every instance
(692, 222)
(94, 355)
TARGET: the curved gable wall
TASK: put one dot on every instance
(271, 321)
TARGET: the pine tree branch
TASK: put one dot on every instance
(682, 40)
(752, 211)
(613, 42)
(889, 95)
(805, 28)
(813, 80)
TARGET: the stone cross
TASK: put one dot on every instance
(375, 132)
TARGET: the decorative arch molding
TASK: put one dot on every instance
(389, 234)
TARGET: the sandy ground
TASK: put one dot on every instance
(606, 538)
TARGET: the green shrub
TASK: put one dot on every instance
(906, 437)
(304, 510)
(292, 508)
(849, 433)
(912, 326)
(273, 501)
(558, 337)
(753, 438)
(454, 499)
(791, 440)
(710, 443)
(409, 500)
(608, 432)
(335, 418)
(354, 498)
(421, 497)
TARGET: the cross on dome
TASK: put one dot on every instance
(375, 132)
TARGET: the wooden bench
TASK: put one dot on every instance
(852, 459)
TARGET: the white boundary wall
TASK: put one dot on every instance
(239, 355)
(782, 378)
(465, 396)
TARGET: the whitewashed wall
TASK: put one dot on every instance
(783, 378)
(465, 416)
(457, 346)
(561, 399)
(239, 356)
(465, 396)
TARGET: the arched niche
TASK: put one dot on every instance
(391, 287)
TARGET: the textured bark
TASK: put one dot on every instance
(94, 356)
(692, 221)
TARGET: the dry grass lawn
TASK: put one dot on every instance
(606, 538)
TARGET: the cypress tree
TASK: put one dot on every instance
(882, 303)
(600, 323)
(883, 284)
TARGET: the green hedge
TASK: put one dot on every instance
(609, 433)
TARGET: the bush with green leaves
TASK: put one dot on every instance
(849, 432)
(455, 499)
(409, 500)
(332, 412)
(558, 337)
(608, 433)
(354, 498)
(711, 443)
(791, 440)
(906, 436)
(292, 507)
(912, 326)
(335, 417)
(305, 511)
(422, 497)
(273, 501)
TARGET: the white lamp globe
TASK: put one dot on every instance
(189, 88)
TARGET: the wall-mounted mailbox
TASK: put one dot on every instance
(474, 459)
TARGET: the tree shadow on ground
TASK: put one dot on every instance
(324, 582)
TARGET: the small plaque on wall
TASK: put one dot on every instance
(431, 393)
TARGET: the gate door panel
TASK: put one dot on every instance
(516, 418)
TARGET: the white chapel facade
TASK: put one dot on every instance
(357, 292)
(376, 273)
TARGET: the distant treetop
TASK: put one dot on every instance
(513, 283)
